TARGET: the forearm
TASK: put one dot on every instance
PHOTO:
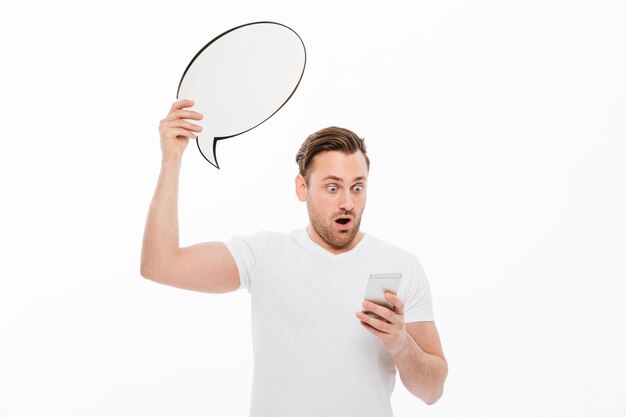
(161, 238)
(423, 374)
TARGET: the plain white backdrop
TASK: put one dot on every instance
(496, 133)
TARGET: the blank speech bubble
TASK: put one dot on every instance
(242, 78)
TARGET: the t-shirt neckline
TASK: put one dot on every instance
(303, 236)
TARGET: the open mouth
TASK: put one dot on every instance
(343, 220)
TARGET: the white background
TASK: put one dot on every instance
(496, 133)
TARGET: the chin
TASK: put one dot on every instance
(344, 238)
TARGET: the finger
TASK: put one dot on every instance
(397, 302)
(376, 333)
(177, 132)
(181, 104)
(377, 324)
(383, 312)
(184, 114)
(181, 123)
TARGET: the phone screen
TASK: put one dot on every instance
(378, 284)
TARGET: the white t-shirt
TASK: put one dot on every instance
(312, 357)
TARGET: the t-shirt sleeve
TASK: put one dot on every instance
(418, 305)
(246, 251)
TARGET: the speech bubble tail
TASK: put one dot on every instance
(207, 149)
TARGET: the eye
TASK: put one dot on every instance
(358, 188)
(331, 188)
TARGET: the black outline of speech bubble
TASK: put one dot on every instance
(215, 139)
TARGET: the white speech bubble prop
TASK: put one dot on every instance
(242, 78)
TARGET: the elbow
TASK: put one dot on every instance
(147, 270)
(437, 392)
(160, 272)
(145, 267)
(432, 399)
(157, 266)
(150, 267)
(160, 269)
(143, 272)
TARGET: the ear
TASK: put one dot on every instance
(301, 188)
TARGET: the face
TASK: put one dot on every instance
(335, 198)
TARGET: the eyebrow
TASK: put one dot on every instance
(332, 177)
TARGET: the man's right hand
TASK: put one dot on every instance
(175, 131)
(208, 266)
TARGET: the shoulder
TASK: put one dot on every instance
(405, 260)
(259, 239)
(385, 248)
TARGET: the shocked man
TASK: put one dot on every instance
(316, 353)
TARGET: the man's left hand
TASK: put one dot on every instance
(389, 326)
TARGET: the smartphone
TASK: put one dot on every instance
(377, 285)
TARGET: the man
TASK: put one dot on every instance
(315, 352)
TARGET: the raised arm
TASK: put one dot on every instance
(208, 266)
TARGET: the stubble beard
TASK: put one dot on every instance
(325, 228)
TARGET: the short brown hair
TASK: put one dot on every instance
(329, 139)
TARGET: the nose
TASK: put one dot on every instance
(346, 202)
